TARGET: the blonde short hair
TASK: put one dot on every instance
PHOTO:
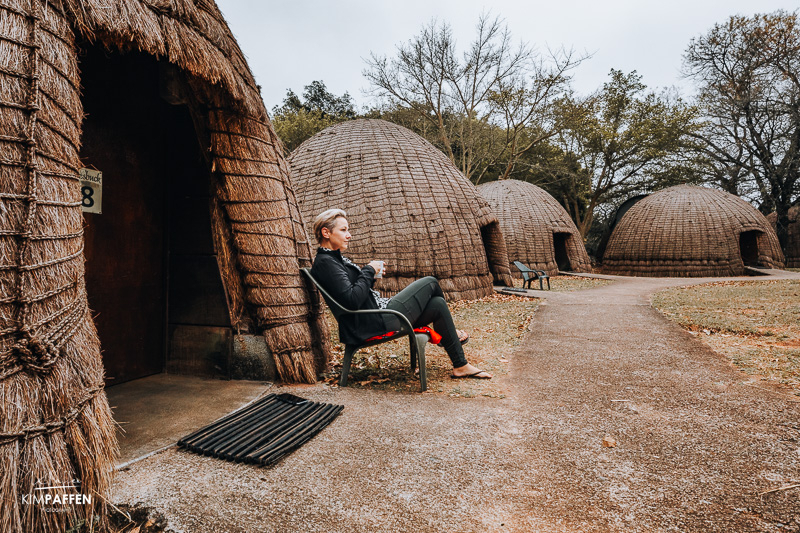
(326, 219)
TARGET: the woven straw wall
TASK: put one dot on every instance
(407, 204)
(688, 231)
(528, 217)
(55, 424)
(792, 250)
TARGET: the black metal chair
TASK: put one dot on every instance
(529, 275)
(416, 341)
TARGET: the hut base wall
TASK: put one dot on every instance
(455, 289)
(672, 269)
(251, 359)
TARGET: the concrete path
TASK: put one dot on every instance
(697, 442)
(156, 411)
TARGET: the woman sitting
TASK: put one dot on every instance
(422, 302)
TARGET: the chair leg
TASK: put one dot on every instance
(348, 358)
(548, 283)
(541, 286)
(422, 341)
(413, 351)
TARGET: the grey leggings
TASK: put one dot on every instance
(422, 302)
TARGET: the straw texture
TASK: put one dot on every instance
(688, 231)
(407, 205)
(792, 250)
(529, 216)
(55, 423)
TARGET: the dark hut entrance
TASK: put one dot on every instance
(748, 247)
(494, 246)
(560, 249)
(151, 273)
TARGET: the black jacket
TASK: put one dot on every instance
(350, 286)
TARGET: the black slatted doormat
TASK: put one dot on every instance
(263, 432)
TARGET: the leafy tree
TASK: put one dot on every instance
(298, 119)
(487, 107)
(623, 136)
(748, 74)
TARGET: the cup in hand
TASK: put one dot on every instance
(379, 272)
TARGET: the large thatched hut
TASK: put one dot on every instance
(193, 241)
(407, 204)
(792, 248)
(691, 231)
(538, 230)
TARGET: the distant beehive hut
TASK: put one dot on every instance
(792, 250)
(406, 203)
(196, 209)
(538, 230)
(691, 231)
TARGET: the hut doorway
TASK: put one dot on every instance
(496, 255)
(748, 247)
(560, 249)
(151, 274)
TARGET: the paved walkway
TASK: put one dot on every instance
(697, 443)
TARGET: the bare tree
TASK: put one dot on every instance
(748, 74)
(488, 105)
(622, 136)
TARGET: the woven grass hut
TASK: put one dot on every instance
(407, 204)
(538, 230)
(691, 231)
(199, 240)
(792, 249)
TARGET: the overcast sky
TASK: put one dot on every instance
(290, 43)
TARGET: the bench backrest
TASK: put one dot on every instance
(526, 272)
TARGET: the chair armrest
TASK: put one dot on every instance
(405, 324)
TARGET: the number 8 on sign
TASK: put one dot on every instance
(87, 193)
(91, 191)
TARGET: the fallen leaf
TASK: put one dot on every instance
(609, 442)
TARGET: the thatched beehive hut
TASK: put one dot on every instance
(792, 249)
(199, 239)
(691, 231)
(538, 230)
(407, 204)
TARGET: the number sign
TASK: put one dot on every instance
(91, 191)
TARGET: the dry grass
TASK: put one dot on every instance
(755, 323)
(496, 325)
(567, 283)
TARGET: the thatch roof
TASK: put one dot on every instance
(407, 204)
(792, 249)
(689, 231)
(55, 424)
(529, 217)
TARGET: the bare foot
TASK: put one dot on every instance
(469, 371)
(463, 336)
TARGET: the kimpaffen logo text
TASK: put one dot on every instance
(65, 494)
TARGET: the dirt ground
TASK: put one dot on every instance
(754, 323)
(614, 419)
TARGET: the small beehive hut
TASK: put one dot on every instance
(199, 239)
(792, 249)
(407, 205)
(691, 231)
(538, 230)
